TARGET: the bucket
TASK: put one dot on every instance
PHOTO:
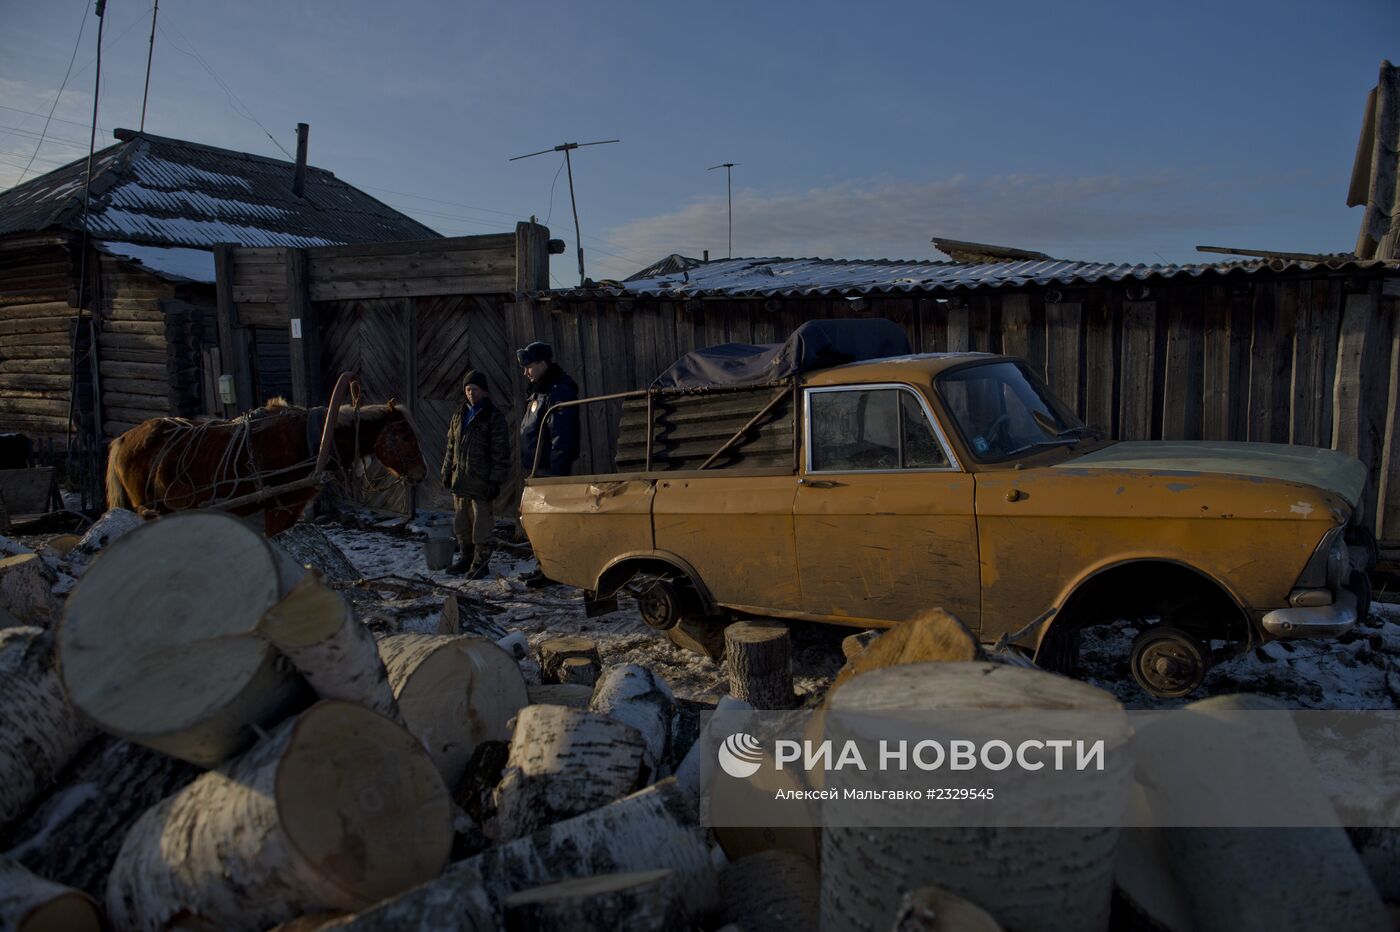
(438, 552)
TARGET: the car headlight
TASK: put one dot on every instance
(1327, 568)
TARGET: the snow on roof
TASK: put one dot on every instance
(177, 263)
(167, 192)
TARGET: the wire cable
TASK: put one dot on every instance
(72, 58)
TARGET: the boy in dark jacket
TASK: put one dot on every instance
(549, 385)
(475, 464)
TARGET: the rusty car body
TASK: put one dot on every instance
(958, 480)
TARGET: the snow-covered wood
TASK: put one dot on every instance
(26, 590)
(563, 762)
(158, 642)
(29, 903)
(578, 671)
(336, 809)
(73, 835)
(933, 909)
(516, 644)
(640, 901)
(116, 523)
(772, 891)
(453, 693)
(650, 830)
(318, 632)
(1057, 880)
(308, 545)
(460, 906)
(39, 731)
(552, 652)
(566, 694)
(759, 657)
(635, 696)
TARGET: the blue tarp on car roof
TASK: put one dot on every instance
(817, 344)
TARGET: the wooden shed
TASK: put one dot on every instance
(107, 311)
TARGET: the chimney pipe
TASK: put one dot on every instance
(707, 257)
(299, 178)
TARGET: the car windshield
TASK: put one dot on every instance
(1003, 411)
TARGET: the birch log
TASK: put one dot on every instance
(635, 696)
(640, 901)
(318, 632)
(566, 694)
(759, 657)
(454, 693)
(461, 905)
(578, 671)
(553, 652)
(771, 891)
(39, 732)
(1041, 879)
(563, 762)
(336, 809)
(158, 641)
(29, 903)
(26, 590)
(933, 909)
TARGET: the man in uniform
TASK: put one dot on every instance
(557, 439)
(475, 464)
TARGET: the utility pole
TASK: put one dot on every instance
(729, 185)
(566, 148)
(150, 53)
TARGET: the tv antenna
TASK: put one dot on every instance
(566, 148)
(729, 184)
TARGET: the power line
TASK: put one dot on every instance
(566, 148)
(39, 114)
(33, 135)
(72, 58)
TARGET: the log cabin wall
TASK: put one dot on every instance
(37, 290)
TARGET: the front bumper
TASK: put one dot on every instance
(1314, 622)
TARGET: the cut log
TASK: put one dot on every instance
(158, 642)
(29, 903)
(336, 809)
(458, 906)
(73, 835)
(552, 653)
(565, 694)
(649, 830)
(308, 545)
(934, 636)
(691, 771)
(26, 590)
(578, 671)
(635, 696)
(39, 731)
(318, 632)
(475, 791)
(855, 645)
(933, 909)
(516, 644)
(699, 636)
(453, 693)
(450, 619)
(62, 544)
(642, 901)
(759, 657)
(773, 891)
(116, 523)
(1049, 880)
(564, 762)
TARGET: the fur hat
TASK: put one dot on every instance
(477, 379)
(535, 352)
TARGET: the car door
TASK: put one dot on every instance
(883, 515)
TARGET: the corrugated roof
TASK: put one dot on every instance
(774, 277)
(167, 192)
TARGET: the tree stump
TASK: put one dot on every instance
(26, 590)
(643, 901)
(552, 653)
(453, 693)
(578, 671)
(564, 762)
(933, 909)
(565, 694)
(336, 809)
(39, 731)
(158, 642)
(635, 696)
(1047, 880)
(759, 656)
(29, 903)
(772, 891)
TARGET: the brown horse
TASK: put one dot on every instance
(170, 464)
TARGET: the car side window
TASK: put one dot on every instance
(871, 429)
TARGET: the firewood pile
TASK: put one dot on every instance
(202, 731)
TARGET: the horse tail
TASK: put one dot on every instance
(116, 492)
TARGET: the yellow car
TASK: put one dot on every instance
(863, 494)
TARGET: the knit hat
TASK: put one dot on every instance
(535, 352)
(477, 379)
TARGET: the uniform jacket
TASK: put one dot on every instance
(560, 436)
(477, 459)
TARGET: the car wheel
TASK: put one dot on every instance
(1168, 662)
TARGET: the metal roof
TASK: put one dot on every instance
(152, 190)
(775, 277)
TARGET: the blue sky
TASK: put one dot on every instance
(1116, 131)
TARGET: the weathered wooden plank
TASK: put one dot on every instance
(1387, 510)
(1270, 354)
(499, 283)
(959, 338)
(1101, 357)
(1015, 327)
(1361, 390)
(531, 257)
(1215, 368)
(1183, 373)
(1064, 337)
(1138, 355)
(39, 309)
(984, 323)
(233, 339)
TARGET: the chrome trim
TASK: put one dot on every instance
(953, 464)
(1322, 621)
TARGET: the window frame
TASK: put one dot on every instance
(949, 456)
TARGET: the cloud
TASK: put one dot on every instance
(1096, 217)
